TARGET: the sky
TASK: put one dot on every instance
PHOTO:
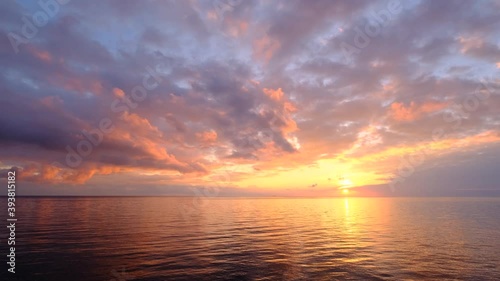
(251, 98)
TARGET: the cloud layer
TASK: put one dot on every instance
(257, 97)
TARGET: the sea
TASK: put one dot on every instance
(199, 238)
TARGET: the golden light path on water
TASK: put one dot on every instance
(187, 238)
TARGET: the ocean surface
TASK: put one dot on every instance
(168, 238)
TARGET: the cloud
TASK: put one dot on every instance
(262, 87)
(400, 112)
(207, 136)
(265, 48)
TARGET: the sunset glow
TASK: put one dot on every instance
(253, 99)
(250, 139)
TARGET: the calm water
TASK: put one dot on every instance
(122, 238)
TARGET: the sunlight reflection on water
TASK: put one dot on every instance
(259, 239)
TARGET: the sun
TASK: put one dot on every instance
(345, 191)
(345, 182)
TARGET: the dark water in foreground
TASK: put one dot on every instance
(148, 238)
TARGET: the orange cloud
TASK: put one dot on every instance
(207, 137)
(390, 158)
(77, 84)
(44, 55)
(290, 107)
(118, 92)
(51, 101)
(432, 107)
(265, 47)
(274, 94)
(470, 43)
(287, 107)
(45, 173)
(40, 54)
(236, 28)
(400, 112)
